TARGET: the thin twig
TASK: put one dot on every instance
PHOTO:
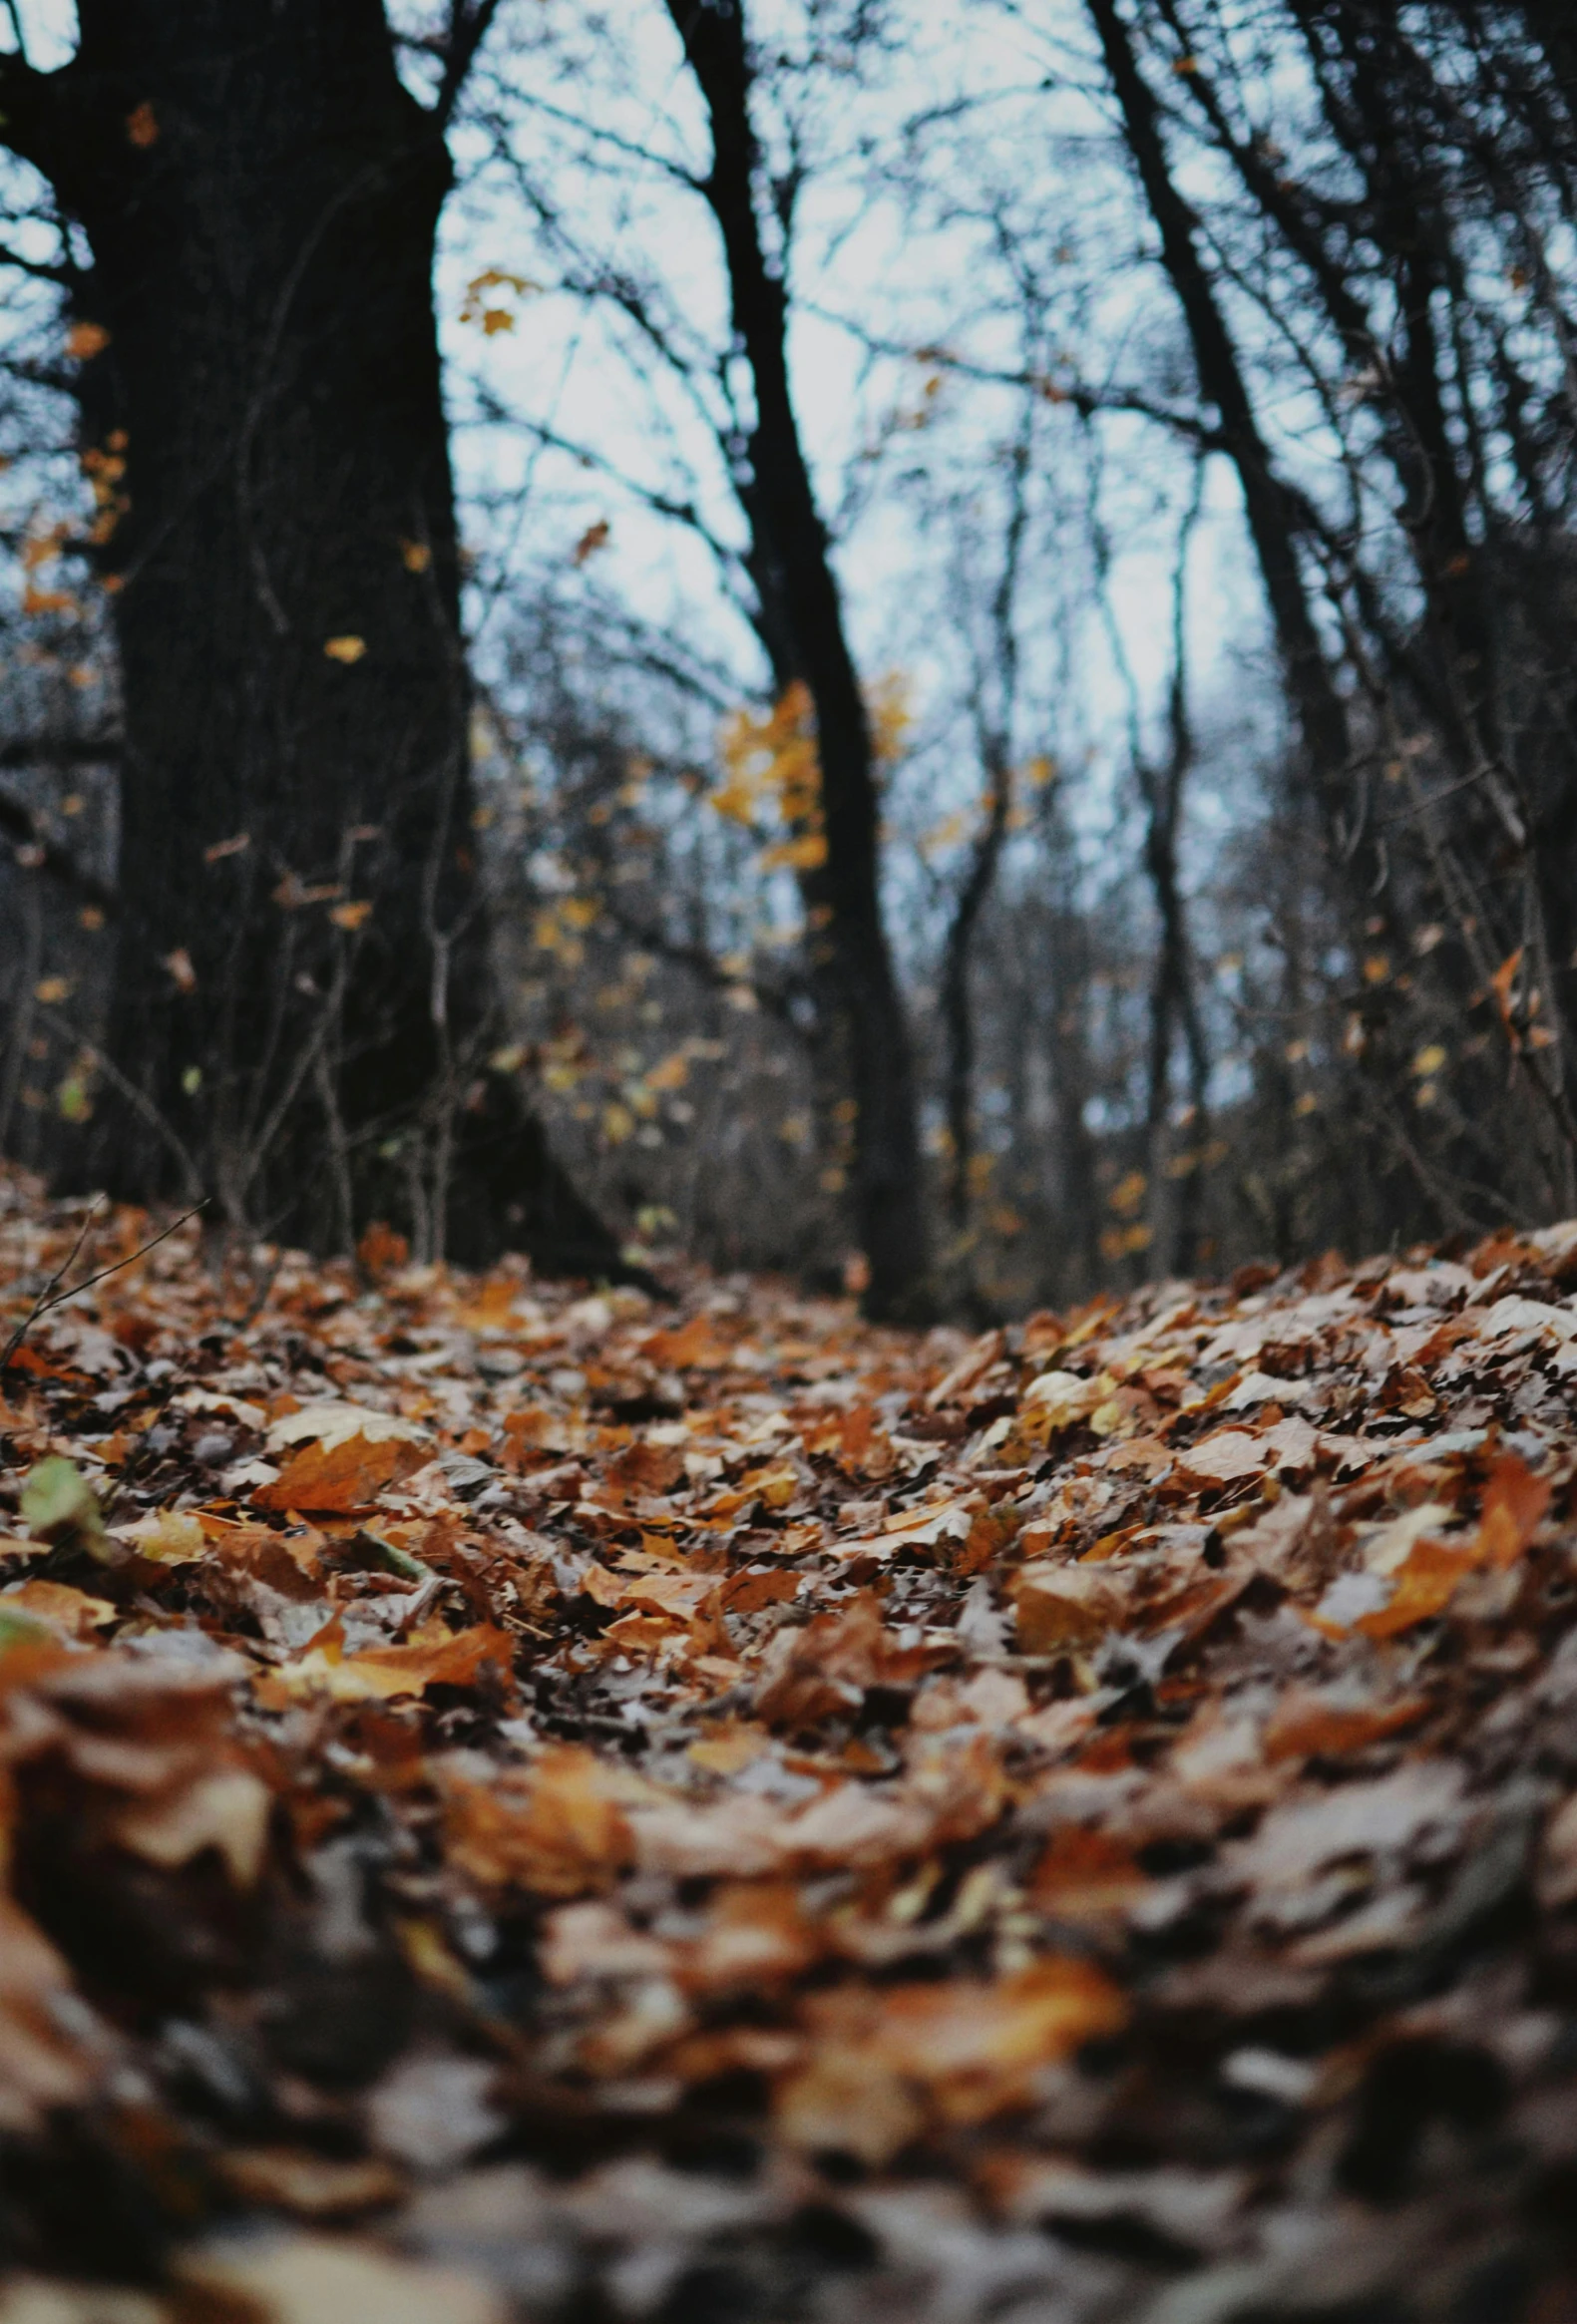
(51, 1296)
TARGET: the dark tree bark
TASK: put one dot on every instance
(303, 998)
(1270, 508)
(1174, 999)
(954, 999)
(801, 626)
(995, 725)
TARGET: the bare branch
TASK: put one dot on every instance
(52, 1295)
(469, 22)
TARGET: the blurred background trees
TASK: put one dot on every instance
(1018, 594)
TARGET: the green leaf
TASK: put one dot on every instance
(19, 1628)
(59, 1505)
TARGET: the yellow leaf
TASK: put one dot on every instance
(480, 310)
(350, 916)
(415, 556)
(170, 1537)
(796, 855)
(51, 990)
(345, 650)
(1126, 1195)
(564, 1835)
(379, 1673)
(1428, 1060)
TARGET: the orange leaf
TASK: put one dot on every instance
(446, 1658)
(1514, 1503)
(566, 1836)
(381, 1248)
(1425, 1586)
(456, 1659)
(1307, 1726)
(1501, 984)
(959, 2051)
(694, 1347)
(341, 1479)
(1086, 1875)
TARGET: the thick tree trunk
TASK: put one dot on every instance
(303, 999)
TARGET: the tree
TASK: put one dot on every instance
(800, 623)
(303, 1003)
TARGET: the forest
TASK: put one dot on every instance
(788, 931)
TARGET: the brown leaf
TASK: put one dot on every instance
(1062, 1606)
(343, 1478)
(888, 2061)
(566, 1835)
(442, 1657)
(313, 2186)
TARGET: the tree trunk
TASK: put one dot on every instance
(800, 623)
(304, 998)
(1268, 507)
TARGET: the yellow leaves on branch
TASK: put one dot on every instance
(561, 927)
(38, 550)
(771, 761)
(485, 311)
(772, 769)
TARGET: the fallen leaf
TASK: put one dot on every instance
(888, 2061)
(59, 1505)
(567, 1834)
(1062, 1606)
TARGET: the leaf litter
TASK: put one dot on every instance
(521, 1802)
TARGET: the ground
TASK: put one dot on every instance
(533, 1803)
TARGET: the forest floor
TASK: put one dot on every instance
(531, 1804)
